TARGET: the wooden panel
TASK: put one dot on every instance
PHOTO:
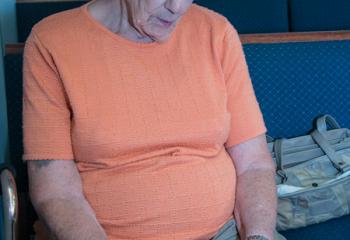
(295, 37)
(14, 48)
(253, 38)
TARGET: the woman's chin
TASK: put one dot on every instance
(160, 35)
(161, 39)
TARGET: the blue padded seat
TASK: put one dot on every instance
(319, 15)
(252, 16)
(29, 13)
(294, 83)
(335, 229)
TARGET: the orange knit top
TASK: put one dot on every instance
(146, 123)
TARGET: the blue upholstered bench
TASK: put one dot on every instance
(295, 82)
(296, 78)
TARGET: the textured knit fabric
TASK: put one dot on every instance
(146, 123)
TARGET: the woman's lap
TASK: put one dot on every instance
(229, 232)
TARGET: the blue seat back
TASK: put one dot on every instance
(252, 16)
(319, 15)
(295, 82)
(13, 83)
(29, 13)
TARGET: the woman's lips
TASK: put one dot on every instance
(166, 23)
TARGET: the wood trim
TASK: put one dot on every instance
(295, 37)
(41, 1)
(253, 38)
(14, 48)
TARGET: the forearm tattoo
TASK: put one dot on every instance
(41, 163)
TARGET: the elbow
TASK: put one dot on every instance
(41, 197)
(37, 198)
(259, 165)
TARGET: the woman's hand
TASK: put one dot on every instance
(57, 196)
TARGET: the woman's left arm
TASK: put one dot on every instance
(256, 200)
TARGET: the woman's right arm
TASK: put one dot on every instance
(56, 192)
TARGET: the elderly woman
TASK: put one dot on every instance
(140, 122)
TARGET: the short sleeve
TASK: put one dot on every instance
(246, 117)
(46, 112)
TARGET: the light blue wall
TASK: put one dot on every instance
(8, 34)
(8, 21)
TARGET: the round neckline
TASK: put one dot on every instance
(125, 41)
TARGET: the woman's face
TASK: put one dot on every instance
(156, 19)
